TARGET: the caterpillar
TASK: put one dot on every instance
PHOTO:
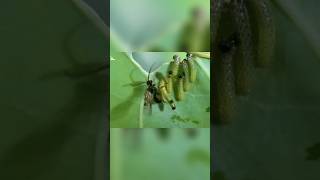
(248, 27)
(169, 84)
(182, 74)
(191, 69)
(224, 82)
(165, 95)
(243, 60)
(263, 30)
(178, 88)
(185, 73)
(172, 72)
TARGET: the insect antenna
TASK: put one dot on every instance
(150, 70)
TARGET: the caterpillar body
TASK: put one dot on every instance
(244, 58)
(185, 73)
(165, 95)
(224, 83)
(253, 42)
(263, 30)
(191, 68)
(178, 88)
(172, 72)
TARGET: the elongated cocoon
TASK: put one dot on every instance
(244, 58)
(165, 95)
(178, 85)
(186, 77)
(263, 29)
(191, 68)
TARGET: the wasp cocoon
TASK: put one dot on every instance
(191, 68)
(185, 73)
(263, 30)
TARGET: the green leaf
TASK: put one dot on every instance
(127, 101)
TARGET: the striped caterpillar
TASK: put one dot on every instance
(179, 78)
(180, 75)
(243, 36)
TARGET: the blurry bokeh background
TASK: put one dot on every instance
(53, 122)
(148, 25)
(158, 154)
(100, 7)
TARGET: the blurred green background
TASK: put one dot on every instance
(279, 121)
(53, 101)
(157, 154)
(149, 25)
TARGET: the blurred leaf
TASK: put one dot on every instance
(313, 152)
(197, 155)
(157, 159)
(52, 120)
(304, 21)
(141, 24)
(127, 101)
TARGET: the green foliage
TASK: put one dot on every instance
(127, 96)
(52, 120)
